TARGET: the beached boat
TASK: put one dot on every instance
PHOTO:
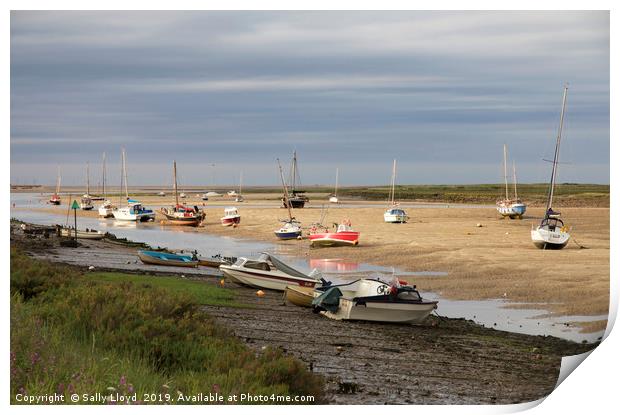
(212, 194)
(296, 198)
(164, 258)
(268, 272)
(134, 211)
(162, 194)
(552, 233)
(106, 209)
(179, 214)
(55, 198)
(334, 198)
(510, 207)
(372, 300)
(291, 228)
(300, 296)
(86, 203)
(231, 217)
(344, 235)
(394, 214)
(82, 234)
(216, 260)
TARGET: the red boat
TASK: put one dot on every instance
(183, 215)
(231, 217)
(55, 199)
(344, 236)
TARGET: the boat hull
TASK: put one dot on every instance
(300, 296)
(105, 212)
(120, 214)
(545, 239)
(403, 313)
(516, 210)
(70, 233)
(230, 221)
(155, 260)
(257, 279)
(288, 235)
(334, 239)
(388, 218)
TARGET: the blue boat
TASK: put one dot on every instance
(164, 258)
(290, 230)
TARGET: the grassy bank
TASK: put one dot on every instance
(105, 333)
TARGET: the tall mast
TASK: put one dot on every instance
(58, 181)
(392, 192)
(88, 178)
(120, 190)
(174, 170)
(286, 201)
(103, 178)
(125, 174)
(336, 189)
(294, 171)
(554, 170)
(240, 180)
(505, 172)
(514, 178)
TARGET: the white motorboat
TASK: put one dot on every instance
(85, 234)
(268, 272)
(372, 300)
(134, 211)
(86, 203)
(394, 214)
(106, 210)
(552, 233)
(291, 228)
(231, 217)
(161, 194)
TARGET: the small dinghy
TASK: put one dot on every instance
(372, 300)
(86, 234)
(164, 258)
(289, 230)
(231, 217)
(215, 261)
(299, 296)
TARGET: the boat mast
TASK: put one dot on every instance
(176, 194)
(505, 172)
(87, 178)
(336, 189)
(120, 190)
(240, 180)
(557, 150)
(58, 181)
(392, 192)
(125, 174)
(514, 177)
(286, 200)
(103, 178)
(294, 171)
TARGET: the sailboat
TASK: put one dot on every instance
(239, 197)
(134, 211)
(297, 199)
(552, 233)
(507, 207)
(55, 198)
(180, 214)
(334, 197)
(86, 203)
(107, 208)
(291, 228)
(394, 214)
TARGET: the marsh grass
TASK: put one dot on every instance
(75, 333)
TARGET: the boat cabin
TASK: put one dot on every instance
(231, 211)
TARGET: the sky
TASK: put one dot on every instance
(227, 93)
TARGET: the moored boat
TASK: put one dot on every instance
(55, 198)
(300, 296)
(297, 198)
(82, 234)
(552, 233)
(106, 209)
(511, 207)
(334, 198)
(231, 217)
(372, 300)
(268, 272)
(134, 211)
(179, 214)
(394, 214)
(344, 235)
(86, 203)
(164, 258)
(291, 228)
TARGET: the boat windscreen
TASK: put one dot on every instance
(285, 268)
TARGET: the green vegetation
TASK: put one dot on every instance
(113, 333)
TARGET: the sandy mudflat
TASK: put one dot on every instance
(497, 260)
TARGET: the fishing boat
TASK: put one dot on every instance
(231, 217)
(164, 258)
(372, 300)
(334, 198)
(552, 233)
(297, 198)
(268, 272)
(55, 198)
(510, 207)
(134, 211)
(300, 296)
(82, 234)
(180, 214)
(291, 228)
(106, 209)
(394, 214)
(320, 236)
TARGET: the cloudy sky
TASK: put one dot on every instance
(225, 92)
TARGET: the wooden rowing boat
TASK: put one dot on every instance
(300, 296)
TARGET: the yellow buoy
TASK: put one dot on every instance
(222, 282)
(260, 293)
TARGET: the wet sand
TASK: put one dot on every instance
(496, 260)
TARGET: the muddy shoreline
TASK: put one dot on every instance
(441, 361)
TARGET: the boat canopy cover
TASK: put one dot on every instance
(286, 268)
(328, 301)
(132, 201)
